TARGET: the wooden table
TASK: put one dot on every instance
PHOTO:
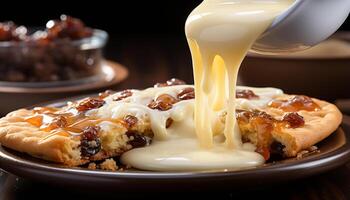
(156, 59)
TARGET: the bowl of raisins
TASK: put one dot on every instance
(61, 60)
(66, 50)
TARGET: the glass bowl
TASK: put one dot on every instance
(58, 61)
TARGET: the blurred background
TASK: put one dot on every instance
(119, 18)
(148, 38)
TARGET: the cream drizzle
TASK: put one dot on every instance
(171, 144)
(219, 33)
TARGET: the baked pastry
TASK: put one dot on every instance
(105, 126)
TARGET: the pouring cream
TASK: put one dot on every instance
(219, 33)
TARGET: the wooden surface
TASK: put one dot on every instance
(152, 60)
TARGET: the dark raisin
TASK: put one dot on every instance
(89, 103)
(163, 102)
(137, 140)
(243, 115)
(263, 115)
(171, 82)
(90, 148)
(67, 27)
(276, 151)
(294, 120)
(122, 95)
(6, 31)
(48, 59)
(186, 93)
(246, 94)
(169, 122)
(246, 115)
(10, 32)
(90, 133)
(130, 121)
(90, 143)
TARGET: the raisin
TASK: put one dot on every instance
(122, 95)
(130, 121)
(137, 140)
(6, 31)
(10, 32)
(298, 102)
(171, 82)
(276, 150)
(169, 122)
(53, 56)
(105, 94)
(89, 103)
(67, 27)
(294, 120)
(246, 94)
(303, 102)
(60, 121)
(57, 122)
(90, 143)
(245, 115)
(263, 115)
(163, 102)
(19, 34)
(186, 93)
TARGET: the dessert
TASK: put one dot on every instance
(211, 125)
(114, 124)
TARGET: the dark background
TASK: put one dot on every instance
(146, 36)
(147, 18)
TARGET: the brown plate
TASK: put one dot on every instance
(334, 151)
(18, 95)
(110, 74)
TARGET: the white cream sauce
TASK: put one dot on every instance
(177, 148)
(219, 33)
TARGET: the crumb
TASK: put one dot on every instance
(309, 151)
(302, 154)
(92, 166)
(124, 168)
(128, 167)
(313, 148)
(109, 164)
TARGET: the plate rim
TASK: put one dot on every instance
(120, 74)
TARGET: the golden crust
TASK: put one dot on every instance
(21, 136)
(318, 125)
(24, 137)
